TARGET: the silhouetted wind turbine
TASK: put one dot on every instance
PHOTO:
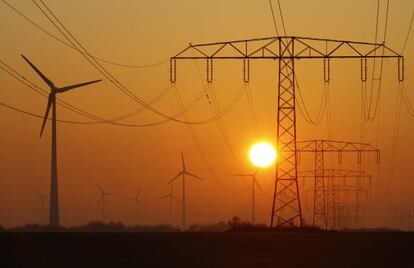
(182, 173)
(54, 197)
(137, 202)
(42, 200)
(171, 198)
(254, 183)
(102, 199)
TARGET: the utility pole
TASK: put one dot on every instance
(286, 207)
(323, 196)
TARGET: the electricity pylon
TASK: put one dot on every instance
(409, 217)
(253, 176)
(323, 198)
(333, 186)
(286, 208)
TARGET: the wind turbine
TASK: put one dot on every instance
(182, 173)
(102, 199)
(137, 202)
(42, 200)
(254, 183)
(171, 198)
(54, 197)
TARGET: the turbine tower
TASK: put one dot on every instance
(137, 202)
(254, 183)
(54, 196)
(42, 201)
(102, 199)
(183, 174)
(170, 197)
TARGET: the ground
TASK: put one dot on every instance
(228, 249)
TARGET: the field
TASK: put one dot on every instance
(224, 249)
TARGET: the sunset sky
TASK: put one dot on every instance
(123, 159)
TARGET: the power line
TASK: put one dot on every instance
(408, 34)
(16, 109)
(222, 127)
(281, 17)
(199, 148)
(252, 109)
(273, 16)
(109, 76)
(394, 148)
(407, 103)
(300, 101)
(70, 37)
(20, 78)
(378, 94)
(13, 8)
(304, 111)
(114, 121)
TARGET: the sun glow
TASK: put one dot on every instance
(262, 154)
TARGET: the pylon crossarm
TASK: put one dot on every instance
(268, 48)
(335, 146)
(341, 173)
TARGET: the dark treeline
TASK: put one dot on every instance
(233, 225)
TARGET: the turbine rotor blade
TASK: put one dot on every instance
(50, 84)
(64, 89)
(192, 175)
(242, 175)
(49, 104)
(182, 158)
(179, 174)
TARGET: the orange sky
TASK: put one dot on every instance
(123, 159)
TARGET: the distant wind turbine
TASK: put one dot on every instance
(102, 199)
(42, 202)
(137, 202)
(254, 183)
(54, 197)
(171, 198)
(182, 173)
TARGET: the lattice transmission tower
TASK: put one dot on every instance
(323, 194)
(326, 196)
(286, 207)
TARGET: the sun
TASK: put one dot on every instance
(262, 154)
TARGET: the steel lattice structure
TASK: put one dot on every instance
(325, 191)
(286, 208)
(324, 194)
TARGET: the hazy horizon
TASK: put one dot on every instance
(125, 159)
